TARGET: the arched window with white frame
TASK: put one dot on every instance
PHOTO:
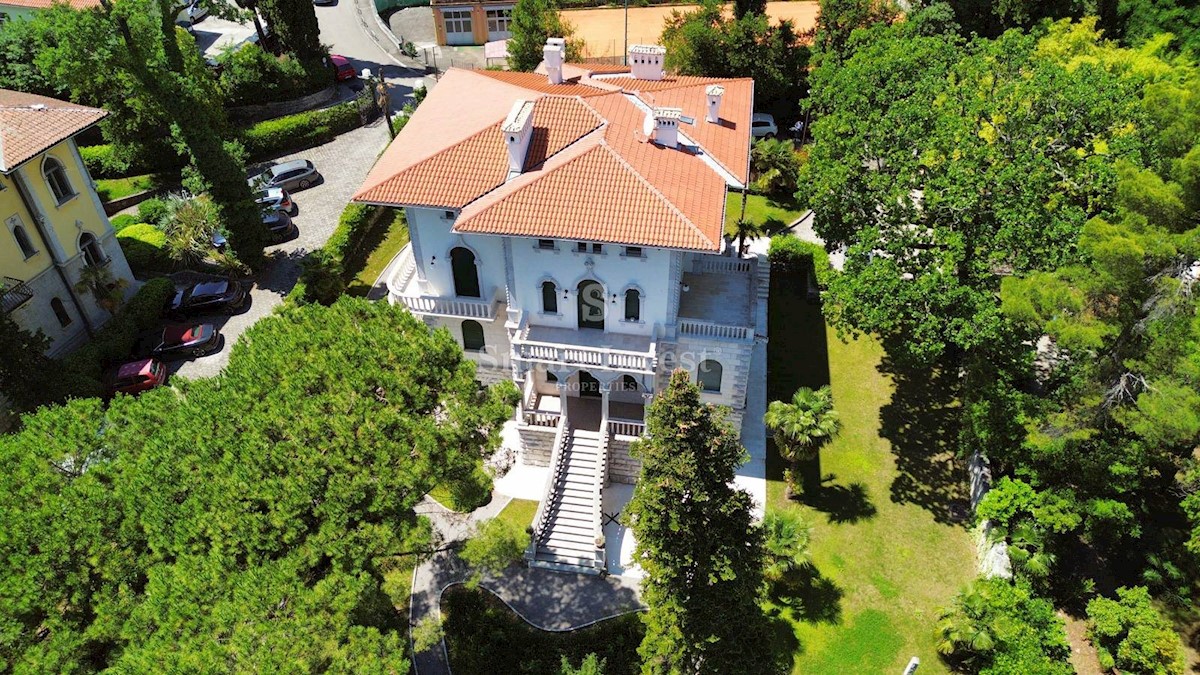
(56, 178)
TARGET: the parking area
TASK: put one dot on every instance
(214, 34)
(343, 164)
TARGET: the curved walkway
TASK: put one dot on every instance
(547, 600)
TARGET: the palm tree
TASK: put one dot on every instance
(802, 426)
(747, 228)
(963, 628)
(97, 280)
(786, 536)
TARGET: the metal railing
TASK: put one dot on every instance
(709, 329)
(598, 505)
(13, 294)
(623, 427)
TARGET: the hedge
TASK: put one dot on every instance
(152, 210)
(144, 249)
(324, 273)
(123, 221)
(792, 254)
(113, 342)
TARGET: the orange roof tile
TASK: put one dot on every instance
(537, 82)
(47, 4)
(629, 83)
(31, 124)
(727, 144)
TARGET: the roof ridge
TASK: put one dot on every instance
(654, 190)
(421, 162)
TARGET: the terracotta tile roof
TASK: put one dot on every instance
(30, 124)
(46, 4)
(590, 173)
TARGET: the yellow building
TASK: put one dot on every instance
(52, 223)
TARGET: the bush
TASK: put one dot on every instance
(471, 492)
(113, 342)
(299, 131)
(252, 76)
(324, 271)
(123, 221)
(321, 276)
(1131, 635)
(791, 254)
(106, 161)
(494, 545)
(152, 210)
(143, 246)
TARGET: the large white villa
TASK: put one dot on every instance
(567, 229)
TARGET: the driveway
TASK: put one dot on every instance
(343, 164)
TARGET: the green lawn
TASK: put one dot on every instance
(116, 188)
(519, 512)
(760, 210)
(389, 243)
(887, 553)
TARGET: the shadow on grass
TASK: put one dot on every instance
(842, 504)
(798, 351)
(922, 422)
(811, 596)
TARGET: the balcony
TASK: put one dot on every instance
(13, 294)
(719, 301)
(583, 348)
(403, 288)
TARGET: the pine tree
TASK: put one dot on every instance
(697, 542)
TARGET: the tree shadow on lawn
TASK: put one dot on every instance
(811, 596)
(842, 504)
(921, 422)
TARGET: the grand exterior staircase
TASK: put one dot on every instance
(568, 521)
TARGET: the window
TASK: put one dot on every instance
(597, 248)
(633, 251)
(93, 255)
(498, 20)
(581, 247)
(472, 336)
(60, 311)
(23, 242)
(633, 305)
(546, 244)
(56, 178)
(628, 383)
(708, 376)
(551, 377)
(549, 297)
(457, 20)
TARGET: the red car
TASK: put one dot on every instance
(344, 70)
(137, 376)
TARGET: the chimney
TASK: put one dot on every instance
(552, 54)
(714, 93)
(646, 61)
(666, 126)
(518, 130)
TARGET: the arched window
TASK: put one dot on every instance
(93, 255)
(466, 276)
(472, 336)
(551, 377)
(23, 242)
(56, 178)
(549, 297)
(708, 376)
(588, 385)
(633, 305)
(591, 304)
(628, 383)
(60, 311)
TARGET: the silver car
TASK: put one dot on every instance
(298, 174)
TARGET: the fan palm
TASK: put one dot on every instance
(964, 627)
(802, 426)
(747, 228)
(97, 280)
(786, 537)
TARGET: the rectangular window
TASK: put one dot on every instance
(597, 248)
(457, 20)
(498, 20)
(581, 247)
(546, 244)
(633, 251)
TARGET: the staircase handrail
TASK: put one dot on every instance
(598, 495)
(557, 456)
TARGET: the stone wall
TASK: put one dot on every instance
(536, 445)
(622, 468)
(993, 555)
(255, 113)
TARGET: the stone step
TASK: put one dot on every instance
(564, 564)
(575, 500)
(565, 537)
(585, 433)
(580, 527)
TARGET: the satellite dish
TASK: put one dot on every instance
(648, 124)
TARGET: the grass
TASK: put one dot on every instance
(887, 552)
(483, 636)
(519, 512)
(111, 189)
(390, 242)
(759, 209)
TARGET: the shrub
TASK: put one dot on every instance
(107, 161)
(791, 254)
(494, 545)
(143, 246)
(122, 221)
(113, 342)
(321, 276)
(251, 76)
(1131, 635)
(152, 210)
(299, 131)
(470, 493)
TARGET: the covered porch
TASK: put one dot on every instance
(586, 401)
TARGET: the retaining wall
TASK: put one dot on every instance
(536, 444)
(993, 555)
(266, 111)
(622, 467)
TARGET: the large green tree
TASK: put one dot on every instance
(995, 627)
(294, 23)
(532, 22)
(697, 542)
(215, 522)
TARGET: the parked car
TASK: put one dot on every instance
(192, 13)
(181, 341)
(135, 377)
(762, 125)
(343, 69)
(219, 241)
(276, 198)
(292, 175)
(206, 297)
(278, 224)
(324, 2)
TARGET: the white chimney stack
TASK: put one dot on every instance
(714, 93)
(646, 61)
(518, 130)
(666, 126)
(553, 53)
